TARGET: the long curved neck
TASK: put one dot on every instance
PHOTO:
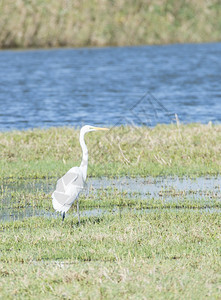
(84, 161)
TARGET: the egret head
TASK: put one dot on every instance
(88, 128)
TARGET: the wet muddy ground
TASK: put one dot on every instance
(203, 190)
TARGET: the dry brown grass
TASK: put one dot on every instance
(72, 23)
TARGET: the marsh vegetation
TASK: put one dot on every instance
(172, 254)
(141, 235)
(101, 23)
(182, 150)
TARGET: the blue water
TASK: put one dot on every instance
(72, 87)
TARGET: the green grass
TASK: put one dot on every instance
(150, 248)
(172, 255)
(185, 150)
(77, 23)
(109, 198)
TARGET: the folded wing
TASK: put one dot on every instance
(67, 189)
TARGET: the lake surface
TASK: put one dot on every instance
(73, 87)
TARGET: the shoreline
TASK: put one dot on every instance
(107, 46)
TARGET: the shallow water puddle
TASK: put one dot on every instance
(170, 189)
(160, 186)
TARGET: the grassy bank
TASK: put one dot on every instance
(161, 246)
(173, 255)
(192, 150)
(99, 23)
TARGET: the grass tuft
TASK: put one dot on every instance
(190, 150)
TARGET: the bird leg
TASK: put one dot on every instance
(63, 216)
(78, 212)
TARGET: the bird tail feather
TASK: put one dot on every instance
(59, 207)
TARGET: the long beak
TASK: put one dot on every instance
(100, 128)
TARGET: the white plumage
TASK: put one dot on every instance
(67, 190)
(72, 183)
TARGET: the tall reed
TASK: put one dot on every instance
(75, 23)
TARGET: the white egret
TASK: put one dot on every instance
(72, 183)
